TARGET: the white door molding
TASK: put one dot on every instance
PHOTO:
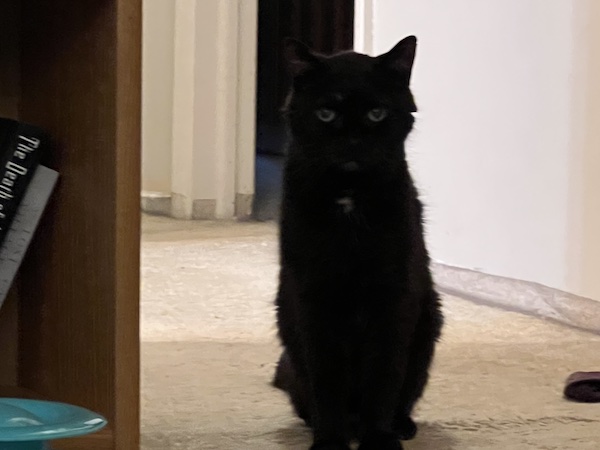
(213, 109)
(363, 26)
(246, 107)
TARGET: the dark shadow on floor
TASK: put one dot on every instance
(431, 437)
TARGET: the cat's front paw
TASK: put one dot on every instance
(405, 428)
(329, 446)
(380, 441)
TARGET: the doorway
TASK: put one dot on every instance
(324, 26)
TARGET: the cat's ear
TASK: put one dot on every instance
(300, 58)
(401, 57)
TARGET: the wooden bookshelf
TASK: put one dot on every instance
(70, 329)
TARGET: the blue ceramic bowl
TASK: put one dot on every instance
(30, 424)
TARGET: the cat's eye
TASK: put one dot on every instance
(326, 115)
(377, 114)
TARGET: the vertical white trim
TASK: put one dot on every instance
(363, 26)
(157, 95)
(227, 89)
(246, 106)
(213, 108)
(359, 25)
(213, 116)
(183, 109)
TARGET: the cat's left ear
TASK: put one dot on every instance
(401, 57)
(300, 58)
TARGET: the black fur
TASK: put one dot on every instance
(357, 311)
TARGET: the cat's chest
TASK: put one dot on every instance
(345, 202)
(360, 198)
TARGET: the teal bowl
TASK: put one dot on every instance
(31, 424)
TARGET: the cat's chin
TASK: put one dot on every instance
(346, 204)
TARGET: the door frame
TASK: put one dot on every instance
(213, 144)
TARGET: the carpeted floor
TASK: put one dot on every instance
(209, 349)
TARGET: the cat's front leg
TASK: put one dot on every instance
(384, 364)
(427, 332)
(330, 446)
(328, 360)
(380, 441)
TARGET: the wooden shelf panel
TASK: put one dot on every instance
(70, 332)
(9, 59)
(9, 340)
(102, 440)
(17, 392)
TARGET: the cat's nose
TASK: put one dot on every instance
(350, 166)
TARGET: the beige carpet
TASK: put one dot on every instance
(209, 350)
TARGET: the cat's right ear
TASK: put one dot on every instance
(402, 57)
(300, 58)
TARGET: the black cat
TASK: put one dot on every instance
(357, 311)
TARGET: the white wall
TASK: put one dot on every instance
(505, 151)
(157, 94)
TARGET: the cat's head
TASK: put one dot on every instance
(350, 107)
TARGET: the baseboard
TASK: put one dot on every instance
(173, 205)
(521, 296)
(156, 203)
(243, 206)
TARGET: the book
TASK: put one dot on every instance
(20, 147)
(26, 219)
